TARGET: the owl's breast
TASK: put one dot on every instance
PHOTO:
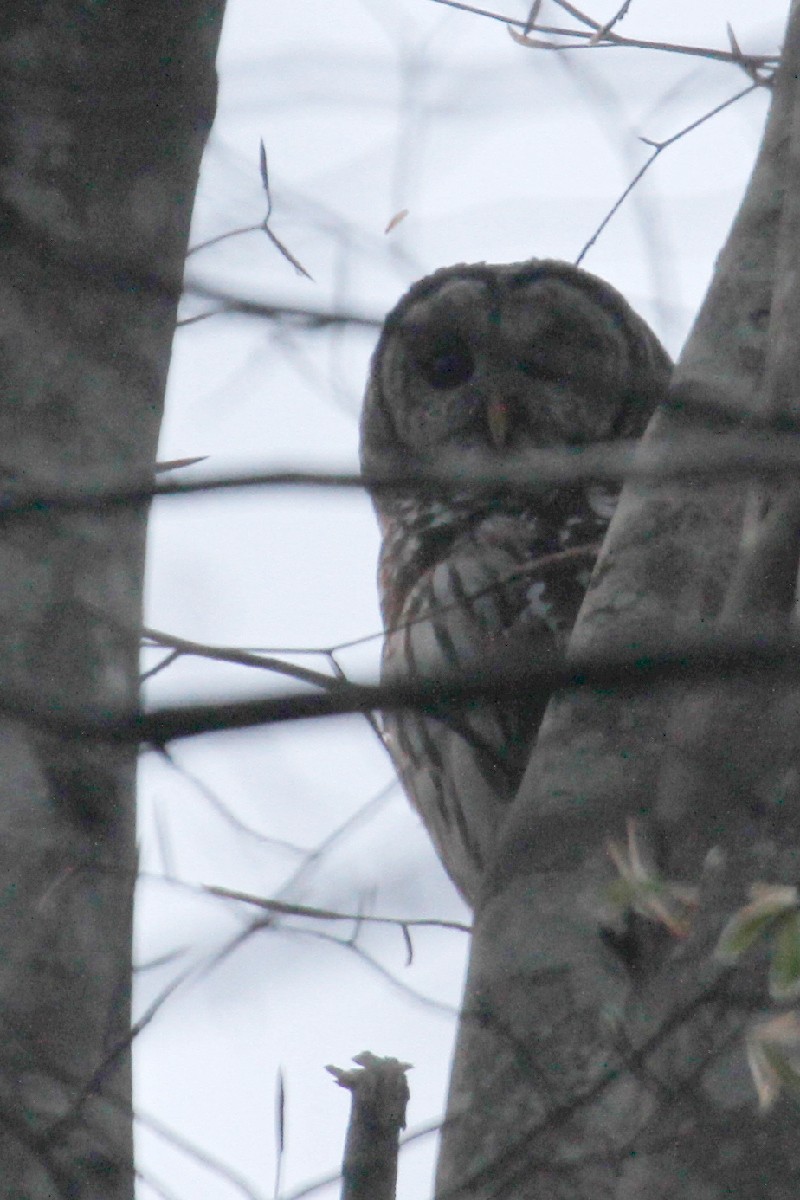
(502, 592)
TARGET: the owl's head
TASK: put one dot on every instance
(503, 358)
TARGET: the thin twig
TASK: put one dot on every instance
(658, 148)
(277, 243)
(619, 15)
(301, 317)
(366, 812)
(327, 914)
(222, 810)
(231, 654)
(261, 227)
(223, 237)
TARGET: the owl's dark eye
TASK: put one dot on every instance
(447, 362)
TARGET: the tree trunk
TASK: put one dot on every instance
(103, 115)
(601, 1050)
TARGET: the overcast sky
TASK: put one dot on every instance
(366, 108)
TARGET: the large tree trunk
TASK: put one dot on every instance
(104, 110)
(599, 1055)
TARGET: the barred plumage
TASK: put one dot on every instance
(491, 360)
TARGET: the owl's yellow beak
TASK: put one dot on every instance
(497, 422)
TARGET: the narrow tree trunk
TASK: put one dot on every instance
(601, 1051)
(104, 109)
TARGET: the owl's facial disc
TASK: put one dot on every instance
(496, 361)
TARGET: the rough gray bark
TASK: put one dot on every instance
(599, 1055)
(104, 109)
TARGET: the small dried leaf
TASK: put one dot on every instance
(632, 861)
(662, 903)
(523, 40)
(667, 904)
(765, 1078)
(773, 1053)
(782, 1030)
(640, 889)
(396, 219)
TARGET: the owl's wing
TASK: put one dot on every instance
(485, 605)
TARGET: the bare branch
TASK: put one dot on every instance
(611, 40)
(710, 457)
(690, 659)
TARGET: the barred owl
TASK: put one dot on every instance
(493, 360)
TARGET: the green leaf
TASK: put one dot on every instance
(755, 920)
(784, 970)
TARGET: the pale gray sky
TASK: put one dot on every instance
(366, 107)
